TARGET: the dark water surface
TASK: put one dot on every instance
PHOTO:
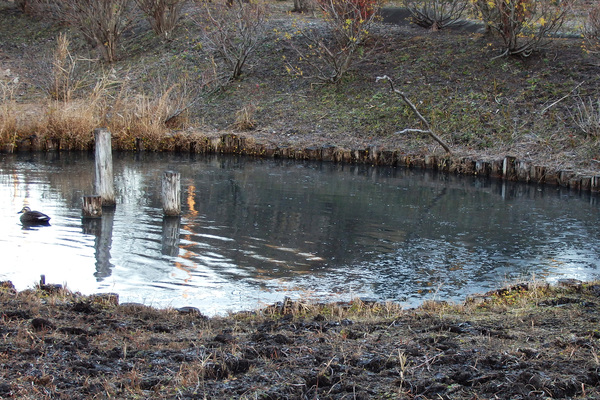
(254, 231)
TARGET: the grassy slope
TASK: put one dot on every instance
(481, 106)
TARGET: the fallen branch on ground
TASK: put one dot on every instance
(429, 131)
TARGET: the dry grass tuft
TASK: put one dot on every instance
(71, 122)
(8, 118)
(358, 309)
(63, 69)
(587, 117)
(151, 118)
(244, 118)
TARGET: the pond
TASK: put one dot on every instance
(256, 230)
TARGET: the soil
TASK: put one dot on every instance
(528, 341)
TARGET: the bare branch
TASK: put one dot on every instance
(429, 131)
(561, 99)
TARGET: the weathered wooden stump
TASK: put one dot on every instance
(139, 144)
(104, 169)
(91, 207)
(53, 144)
(508, 168)
(171, 193)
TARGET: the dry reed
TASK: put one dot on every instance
(244, 118)
(8, 119)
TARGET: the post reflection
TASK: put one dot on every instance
(102, 229)
(170, 236)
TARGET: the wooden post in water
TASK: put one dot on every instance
(53, 144)
(139, 144)
(92, 207)
(171, 193)
(104, 170)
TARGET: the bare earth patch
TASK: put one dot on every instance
(523, 342)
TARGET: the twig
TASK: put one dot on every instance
(562, 98)
(428, 361)
(417, 113)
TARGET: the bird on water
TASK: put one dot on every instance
(33, 217)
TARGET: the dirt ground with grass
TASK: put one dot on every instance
(528, 341)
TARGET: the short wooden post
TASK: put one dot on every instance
(92, 207)
(53, 144)
(104, 169)
(171, 193)
(508, 168)
(139, 144)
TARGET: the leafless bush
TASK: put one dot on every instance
(231, 34)
(525, 26)
(331, 52)
(436, 14)
(162, 14)
(102, 22)
(487, 11)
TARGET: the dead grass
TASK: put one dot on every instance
(244, 118)
(8, 114)
(128, 117)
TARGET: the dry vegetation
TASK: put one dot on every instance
(525, 341)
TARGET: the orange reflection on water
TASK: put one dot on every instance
(190, 217)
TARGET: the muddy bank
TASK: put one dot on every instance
(529, 341)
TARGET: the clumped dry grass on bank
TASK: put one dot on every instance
(151, 118)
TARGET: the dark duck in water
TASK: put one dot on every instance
(29, 217)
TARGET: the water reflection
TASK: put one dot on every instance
(170, 236)
(253, 231)
(102, 230)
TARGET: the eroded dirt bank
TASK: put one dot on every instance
(526, 342)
